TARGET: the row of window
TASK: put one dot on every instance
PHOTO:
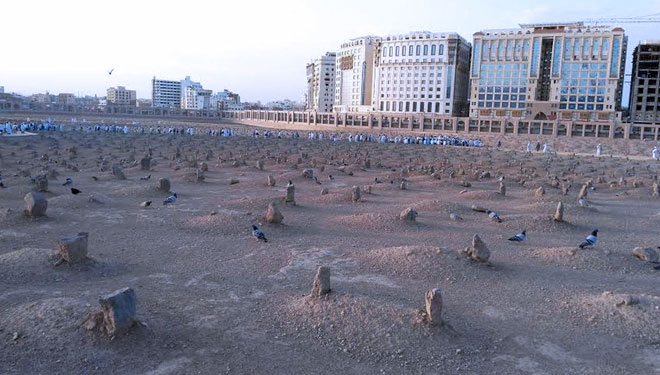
(411, 107)
(501, 105)
(582, 107)
(414, 50)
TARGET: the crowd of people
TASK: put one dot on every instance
(33, 127)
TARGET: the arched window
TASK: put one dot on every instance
(403, 51)
(396, 51)
(441, 49)
(426, 50)
(418, 50)
(410, 51)
(433, 50)
(390, 52)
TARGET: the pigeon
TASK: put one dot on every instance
(145, 178)
(258, 234)
(75, 191)
(171, 199)
(590, 240)
(95, 178)
(455, 216)
(289, 184)
(519, 237)
(68, 182)
(330, 177)
(145, 204)
(2, 185)
(317, 180)
(494, 216)
(583, 202)
(376, 180)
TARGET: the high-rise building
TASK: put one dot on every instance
(354, 75)
(645, 83)
(120, 96)
(166, 94)
(321, 83)
(422, 72)
(567, 71)
(193, 95)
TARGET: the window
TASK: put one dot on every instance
(433, 50)
(396, 51)
(403, 51)
(426, 50)
(410, 51)
(418, 50)
(441, 50)
(390, 52)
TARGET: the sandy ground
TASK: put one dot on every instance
(215, 300)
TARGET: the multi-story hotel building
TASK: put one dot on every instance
(422, 72)
(354, 75)
(645, 83)
(321, 83)
(566, 71)
(165, 93)
(119, 95)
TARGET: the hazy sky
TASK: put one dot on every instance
(256, 48)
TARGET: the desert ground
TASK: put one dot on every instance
(212, 299)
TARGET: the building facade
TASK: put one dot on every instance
(120, 96)
(645, 87)
(66, 99)
(422, 72)
(354, 75)
(193, 95)
(321, 83)
(165, 93)
(565, 71)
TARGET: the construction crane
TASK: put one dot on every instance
(650, 18)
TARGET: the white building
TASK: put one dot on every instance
(321, 83)
(354, 75)
(166, 94)
(193, 95)
(422, 72)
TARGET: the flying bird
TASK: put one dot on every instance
(494, 216)
(519, 237)
(171, 199)
(110, 71)
(68, 182)
(75, 191)
(145, 178)
(258, 234)
(590, 240)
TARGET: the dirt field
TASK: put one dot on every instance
(216, 300)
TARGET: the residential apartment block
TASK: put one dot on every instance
(645, 83)
(120, 96)
(321, 83)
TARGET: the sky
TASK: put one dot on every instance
(257, 48)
